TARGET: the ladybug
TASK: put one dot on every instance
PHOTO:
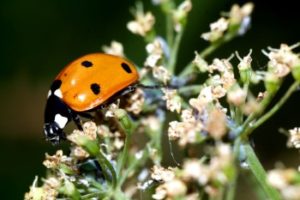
(85, 85)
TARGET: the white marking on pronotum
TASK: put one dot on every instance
(81, 97)
(61, 120)
(58, 93)
(49, 93)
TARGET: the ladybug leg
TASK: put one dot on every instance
(127, 90)
(102, 106)
(77, 120)
(86, 115)
(91, 166)
(62, 136)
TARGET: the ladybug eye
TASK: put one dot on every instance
(126, 68)
(95, 88)
(87, 63)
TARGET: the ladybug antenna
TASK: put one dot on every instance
(155, 87)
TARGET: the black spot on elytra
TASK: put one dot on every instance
(126, 68)
(95, 88)
(55, 85)
(87, 63)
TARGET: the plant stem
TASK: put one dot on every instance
(102, 159)
(93, 149)
(187, 69)
(259, 172)
(250, 128)
(133, 166)
(128, 126)
(230, 194)
(119, 195)
(174, 52)
(193, 89)
(169, 29)
(208, 50)
(278, 105)
(123, 157)
(215, 45)
(232, 187)
(263, 105)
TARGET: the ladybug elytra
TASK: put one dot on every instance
(85, 85)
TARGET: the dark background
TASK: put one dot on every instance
(39, 37)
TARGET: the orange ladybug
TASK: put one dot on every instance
(86, 84)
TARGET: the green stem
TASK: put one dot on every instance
(193, 89)
(128, 126)
(124, 156)
(259, 172)
(119, 195)
(263, 105)
(231, 111)
(239, 115)
(133, 166)
(208, 50)
(247, 124)
(275, 108)
(169, 29)
(232, 187)
(103, 160)
(157, 143)
(92, 147)
(188, 69)
(231, 190)
(215, 45)
(91, 195)
(174, 52)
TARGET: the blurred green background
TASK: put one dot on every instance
(39, 37)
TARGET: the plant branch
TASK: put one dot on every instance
(230, 194)
(169, 30)
(208, 50)
(174, 52)
(259, 172)
(247, 124)
(276, 107)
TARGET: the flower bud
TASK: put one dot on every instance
(70, 190)
(66, 169)
(296, 72)
(272, 83)
(91, 146)
(35, 193)
(124, 119)
(245, 67)
(180, 14)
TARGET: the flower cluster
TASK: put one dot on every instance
(286, 181)
(67, 172)
(186, 131)
(115, 48)
(180, 14)
(237, 17)
(143, 23)
(48, 191)
(211, 175)
(282, 60)
(154, 60)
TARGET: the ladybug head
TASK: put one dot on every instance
(57, 115)
(53, 133)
